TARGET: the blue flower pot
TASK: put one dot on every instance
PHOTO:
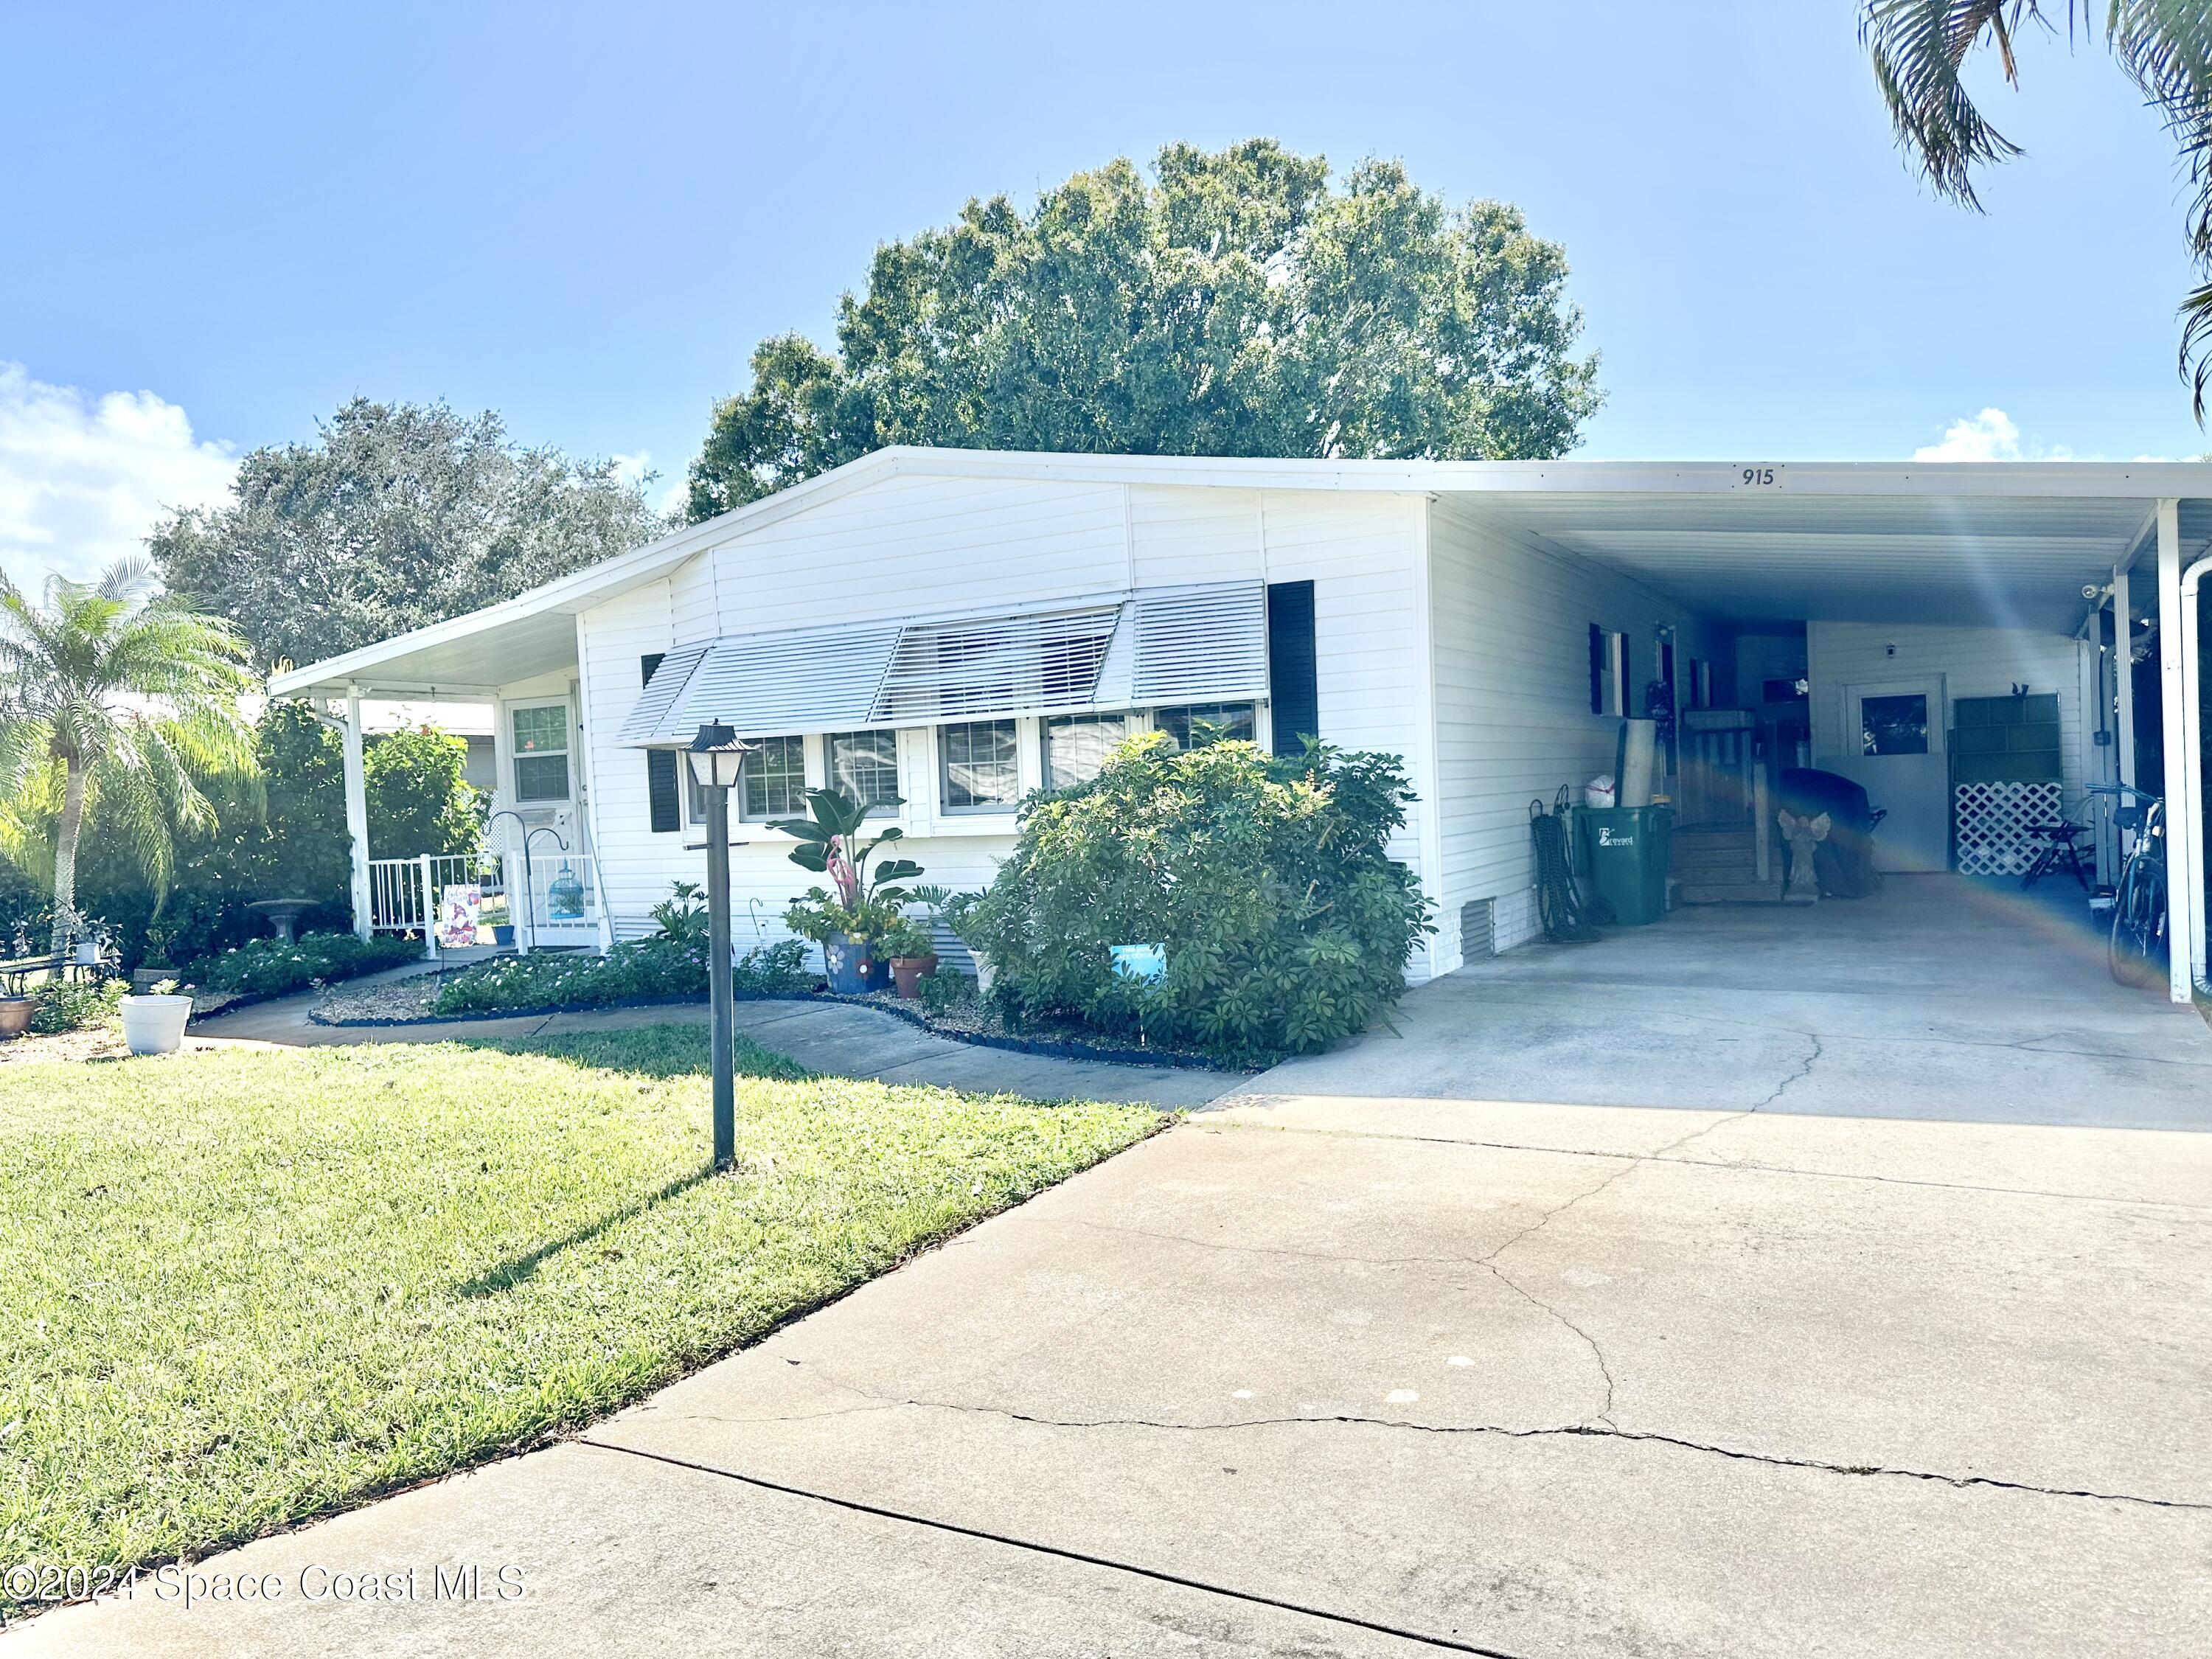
(851, 967)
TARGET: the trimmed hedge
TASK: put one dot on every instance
(661, 969)
(269, 967)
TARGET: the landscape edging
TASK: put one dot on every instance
(1045, 1048)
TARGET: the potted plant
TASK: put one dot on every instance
(15, 1006)
(956, 910)
(913, 955)
(850, 937)
(155, 966)
(846, 922)
(155, 1024)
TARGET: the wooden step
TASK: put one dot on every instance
(1687, 862)
(1730, 892)
(1714, 868)
(1714, 838)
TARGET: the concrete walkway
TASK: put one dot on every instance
(824, 1036)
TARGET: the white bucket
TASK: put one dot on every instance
(156, 1026)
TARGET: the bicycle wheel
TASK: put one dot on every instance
(2136, 954)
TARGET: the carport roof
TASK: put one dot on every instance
(1990, 561)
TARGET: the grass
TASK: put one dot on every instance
(241, 1288)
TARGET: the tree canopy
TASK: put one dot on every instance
(1920, 49)
(398, 515)
(1236, 304)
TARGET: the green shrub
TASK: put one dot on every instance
(944, 990)
(668, 966)
(1287, 926)
(74, 1005)
(419, 800)
(269, 967)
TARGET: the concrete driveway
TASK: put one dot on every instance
(1772, 1312)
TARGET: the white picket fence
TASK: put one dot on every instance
(558, 905)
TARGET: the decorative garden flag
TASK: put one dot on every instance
(458, 912)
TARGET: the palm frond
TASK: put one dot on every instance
(1919, 50)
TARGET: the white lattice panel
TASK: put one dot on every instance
(1993, 821)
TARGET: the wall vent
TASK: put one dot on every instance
(1477, 929)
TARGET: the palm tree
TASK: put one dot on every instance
(1920, 49)
(130, 696)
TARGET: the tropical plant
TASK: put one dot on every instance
(120, 699)
(1920, 49)
(865, 903)
(396, 515)
(1236, 304)
(1287, 925)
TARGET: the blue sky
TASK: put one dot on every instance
(220, 222)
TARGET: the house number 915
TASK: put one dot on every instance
(1760, 477)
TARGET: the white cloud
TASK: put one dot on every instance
(84, 478)
(1991, 435)
(663, 493)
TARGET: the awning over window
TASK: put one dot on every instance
(1161, 645)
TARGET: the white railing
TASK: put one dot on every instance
(559, 904)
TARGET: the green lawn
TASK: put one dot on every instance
(237, 1288)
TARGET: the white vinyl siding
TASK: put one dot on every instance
(914, 546)
(1511, 617)
(1974, 662)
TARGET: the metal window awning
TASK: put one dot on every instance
(1204, 644)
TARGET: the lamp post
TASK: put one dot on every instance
(716, 755)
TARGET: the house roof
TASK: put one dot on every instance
(1874, 541)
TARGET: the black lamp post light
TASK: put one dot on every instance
(716, 755)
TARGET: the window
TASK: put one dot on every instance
(1236, 720)
(1608, 668)
(1076, 746)
(865, 766)
(1893, 725)
(980, 773)
(771, 782)
(541, 752)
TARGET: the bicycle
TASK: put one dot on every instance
(2135, 951)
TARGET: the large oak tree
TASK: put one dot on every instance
(398, 515)
(1235, 304)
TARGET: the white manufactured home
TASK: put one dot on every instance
(942, 632)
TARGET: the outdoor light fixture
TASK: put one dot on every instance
(716, 755)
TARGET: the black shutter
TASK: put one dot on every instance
(661, 790)
(1293, 672)
(1597, 671)
(660, 774)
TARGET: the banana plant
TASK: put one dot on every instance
(830, 843)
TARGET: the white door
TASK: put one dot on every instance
(1894, 744)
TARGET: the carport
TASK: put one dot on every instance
(1914, 583)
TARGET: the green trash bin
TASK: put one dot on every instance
(1623, 858)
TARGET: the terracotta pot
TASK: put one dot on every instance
(908, 972)
(14, 1016)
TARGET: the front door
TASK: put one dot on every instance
(1894, 738)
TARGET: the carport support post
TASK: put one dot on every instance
(2183, 869)
(356, 813)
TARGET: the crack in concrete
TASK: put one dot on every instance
(1571, 1430)
(1736, 1166)
(1426, 1638)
